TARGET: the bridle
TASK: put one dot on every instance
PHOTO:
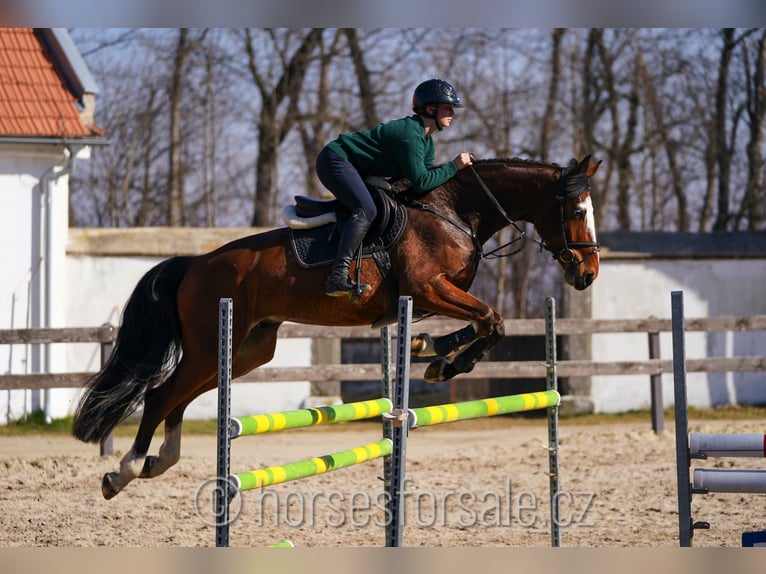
(570, 186)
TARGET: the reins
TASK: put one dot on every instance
(411, 202)
(494, 254)
(569, 185)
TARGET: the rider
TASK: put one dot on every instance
(401, 147)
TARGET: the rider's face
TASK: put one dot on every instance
(444, 114)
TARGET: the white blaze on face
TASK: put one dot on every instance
(590, 218)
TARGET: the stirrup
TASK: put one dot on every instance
(346, 288)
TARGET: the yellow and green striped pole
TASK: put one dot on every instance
(311, 467)
(330, 414)
(428, 416)
(282, 544)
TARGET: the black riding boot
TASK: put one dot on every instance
(338, 282)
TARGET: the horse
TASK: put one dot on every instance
(165, 353)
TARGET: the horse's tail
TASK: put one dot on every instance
(147, 349)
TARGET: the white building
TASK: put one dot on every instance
(46, 126)
(720, 274)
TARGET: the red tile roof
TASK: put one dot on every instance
(34, 100)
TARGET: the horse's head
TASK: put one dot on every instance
(568, 229)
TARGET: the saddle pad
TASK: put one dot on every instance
(318, 246)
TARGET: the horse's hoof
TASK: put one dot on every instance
(435, 371)
(422, 345)
(107, 488)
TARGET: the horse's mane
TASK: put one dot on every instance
(515, 160)
(403, 184)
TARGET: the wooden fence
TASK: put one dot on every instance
(654, 366)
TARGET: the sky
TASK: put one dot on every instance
(388, 13)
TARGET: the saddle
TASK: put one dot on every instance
(314, 226)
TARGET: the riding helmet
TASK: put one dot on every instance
(434, 91)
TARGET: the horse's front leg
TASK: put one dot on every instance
(423, 345)
(445, 368)
(472, 341)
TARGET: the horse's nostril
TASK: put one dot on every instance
(588, 279)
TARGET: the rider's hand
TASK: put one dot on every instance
(462, 160)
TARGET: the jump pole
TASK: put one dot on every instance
(392, 449)
(249, 480)
(482, 408)
(728, 480)
(301, 418)
(724, 445)
(396, 424)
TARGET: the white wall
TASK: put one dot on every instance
(21, 284)
(100, 286)
(86, 291)
(18, 195)
(640, 288)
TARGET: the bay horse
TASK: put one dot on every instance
(166, 349)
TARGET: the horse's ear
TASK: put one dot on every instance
(586, 167)
(584, 164)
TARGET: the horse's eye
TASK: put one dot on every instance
(578, 213)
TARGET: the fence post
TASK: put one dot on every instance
(655, 389)
(106, 447)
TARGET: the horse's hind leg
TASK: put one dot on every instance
(170, 449)
(159, 403)
(257, 349)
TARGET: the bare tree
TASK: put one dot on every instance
(284, 86)
(672, 137)
(622, 139)
(658, 130)
(587, 112)
(313, 128)
(755, 197)
(209, 156)
(184, 47)
(546, 130)
(725, 145)
(121, 178)
(366, 92)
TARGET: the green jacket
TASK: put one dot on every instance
(398, 148)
